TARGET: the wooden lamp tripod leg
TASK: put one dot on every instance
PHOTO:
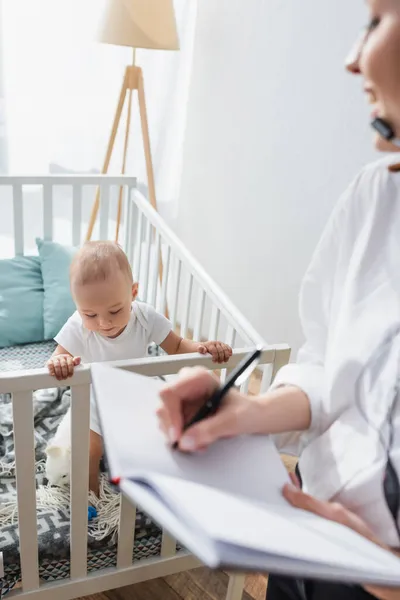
(133, 80)
(107, 159)
(146, 142)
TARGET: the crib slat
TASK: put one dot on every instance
(235, 587)
(174, 309)
(47, 212)
(76, 214)
(127, 223)
(244, 388)
(80, 405)
(154, 277)
(187, 305)
(230, 336)
(230, 340)
(126, 533)
(266, 378)
(164, 286)
(104, 211)
(144, 282)
(133, 213)
(168, 545)
(18, 210)
(199, 316)
(214, 323)
(281, 358)
(137, 259)
(26, 488)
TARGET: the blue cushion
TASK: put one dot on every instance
(21, 301)
(58, 305)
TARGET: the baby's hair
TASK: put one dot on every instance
(96, 261)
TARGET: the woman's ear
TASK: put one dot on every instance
(135, 289)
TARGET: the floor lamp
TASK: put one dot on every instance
(137, 24)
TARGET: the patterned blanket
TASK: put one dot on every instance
(53, 524)
(53, 515)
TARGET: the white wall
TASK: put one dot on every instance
(276, 129)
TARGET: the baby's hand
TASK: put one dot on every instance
(219, 351)
(61, 366)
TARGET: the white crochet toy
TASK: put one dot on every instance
(58, 462)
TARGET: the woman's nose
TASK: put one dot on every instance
(352, 62)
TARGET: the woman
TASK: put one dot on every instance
(342, 393)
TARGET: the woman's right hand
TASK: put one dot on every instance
(286, 408)
(181, 399)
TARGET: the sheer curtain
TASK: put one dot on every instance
(61, 90)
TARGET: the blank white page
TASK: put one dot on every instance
(278, 530)
(248, 466)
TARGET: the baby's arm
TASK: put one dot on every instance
(174, 344)
(61, 363)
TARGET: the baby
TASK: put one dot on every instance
(109, 325)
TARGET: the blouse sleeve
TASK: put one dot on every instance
(317, 290)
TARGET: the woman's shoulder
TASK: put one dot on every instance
(371, 192)
(375, 184)
(384, 171)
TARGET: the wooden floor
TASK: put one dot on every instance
(199, 584)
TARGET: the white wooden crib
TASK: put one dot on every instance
(196, 306)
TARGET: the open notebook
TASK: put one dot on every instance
(225, 505)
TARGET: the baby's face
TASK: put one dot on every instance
(105, 306)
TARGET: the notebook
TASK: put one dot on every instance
(224, 505)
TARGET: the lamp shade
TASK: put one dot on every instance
(139, 24)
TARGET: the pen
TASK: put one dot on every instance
(236, 377)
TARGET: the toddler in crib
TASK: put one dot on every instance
(109, 324)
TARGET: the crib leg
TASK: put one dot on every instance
(235, 587)
(168, 545)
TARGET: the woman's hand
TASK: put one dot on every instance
(284, 409)
(182, 399)
(333, 511)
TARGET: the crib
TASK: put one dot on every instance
(172, 281)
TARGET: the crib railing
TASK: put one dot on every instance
(193, 301)
(170, 278)
(57, 207)
(172, 281)
(21, 386)
(184, 291)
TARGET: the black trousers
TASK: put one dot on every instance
(287, 588)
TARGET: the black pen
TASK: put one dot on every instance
(236, 377)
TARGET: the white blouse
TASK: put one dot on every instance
(349, 306)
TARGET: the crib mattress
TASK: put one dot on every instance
(28, 356)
